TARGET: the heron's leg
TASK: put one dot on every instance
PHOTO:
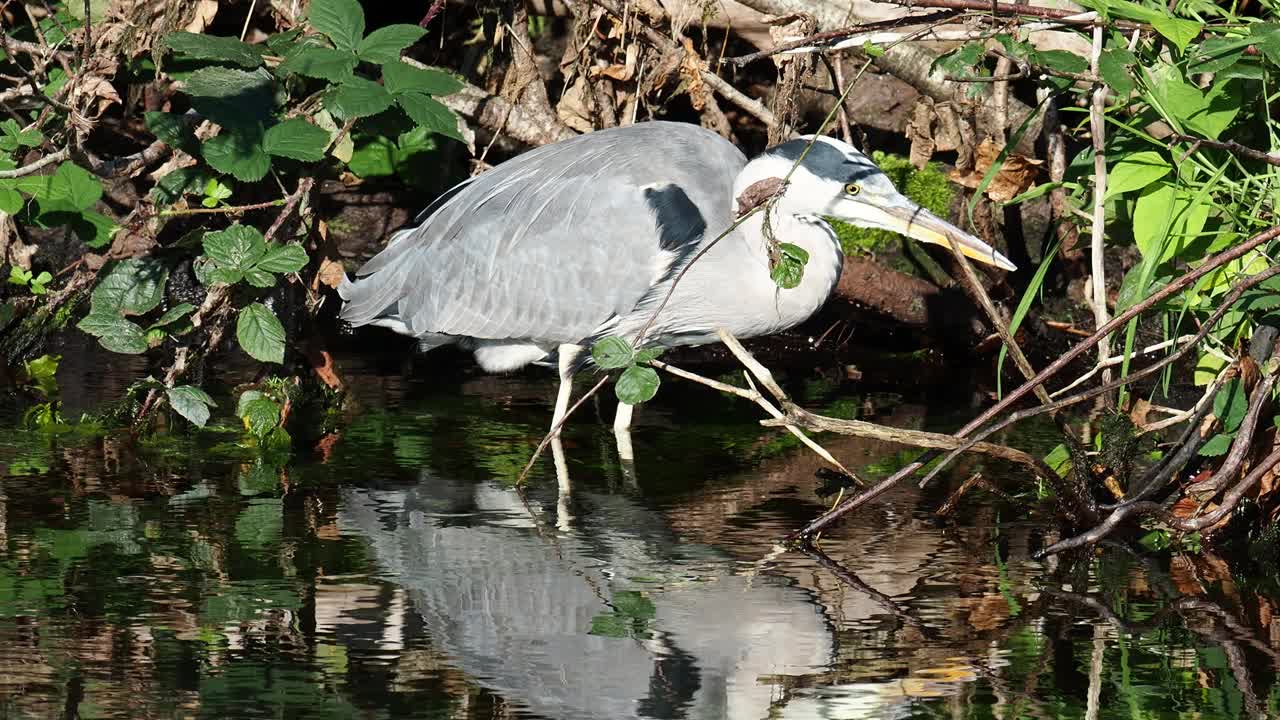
(564, 519)
(568, 354)
(622, 432)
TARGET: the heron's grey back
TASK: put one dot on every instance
(550, 245)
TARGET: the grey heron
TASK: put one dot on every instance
(568, 243)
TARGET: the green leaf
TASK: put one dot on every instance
(10, 201)
(611, 353)
(15, 137)
(283, 259)
(95, 229)
(173, 315)
(429, 114)
(259, 525)
(238, 152)
(647, 354)
(171, 129)
(1136, 171)
(1218, 445)
(280, 42)
(191, 403)
(1208, 113)
(401, 77)
(215, 192)
(259, 278)
(132, 287)
(357, 98)
(260, 333)
(385, 44)
(125, 338)
(1230, 405)
(1062, 61)
(296, 139)
(872, 50)
(237, 248)
(231, 97)
(636, 384)
(70, 188)
(214, 47)
(319, 62)
(1178, 31)
(174, 185)
(1217, 53)
(260, 413)
(342, 21)
(789, 270)
(1162, 205)
(1115, 71)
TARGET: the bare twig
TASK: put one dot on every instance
(917, 438)
(1230, 146)
(1097, 246)
(1064, 16)
(37, 166)
(1002, 407)
(754, 396)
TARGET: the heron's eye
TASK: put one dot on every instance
(852, 189)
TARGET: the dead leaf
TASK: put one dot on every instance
(202, 15)
(1141, 409)
(1017, 174)
(691, 71)
(573, 108)
(331, 273)
(99, 90)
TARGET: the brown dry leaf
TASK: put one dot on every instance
(202, 15)
(691, 71)
(920, 131)
(573, 108)
(1188, 506)
(1141, 409)
(1016, 175)
(331, 273)
(99, 89)
(615, 71)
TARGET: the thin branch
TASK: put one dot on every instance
(832, 36)
(225, 210)
(754, 396)
(917, 438)
(1230, 146)
(36, 166)
(1097, 245)
(1002, 407)
(1070, 17)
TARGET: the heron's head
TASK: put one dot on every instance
(834, 180)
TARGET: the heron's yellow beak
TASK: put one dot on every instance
(907, 218)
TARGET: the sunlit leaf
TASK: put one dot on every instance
(401, 77)
(1136, 171)
(297, 139)
(191, 403)
(385, 44)
(131, 287)
(214, 47)
(319, 62)
(341, 20)
(357, 98)
(260, 333)
(611, 353)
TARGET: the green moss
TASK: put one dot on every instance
(929, 187)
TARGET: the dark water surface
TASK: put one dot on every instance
(394, 572)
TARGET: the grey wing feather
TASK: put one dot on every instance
(550, 245)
